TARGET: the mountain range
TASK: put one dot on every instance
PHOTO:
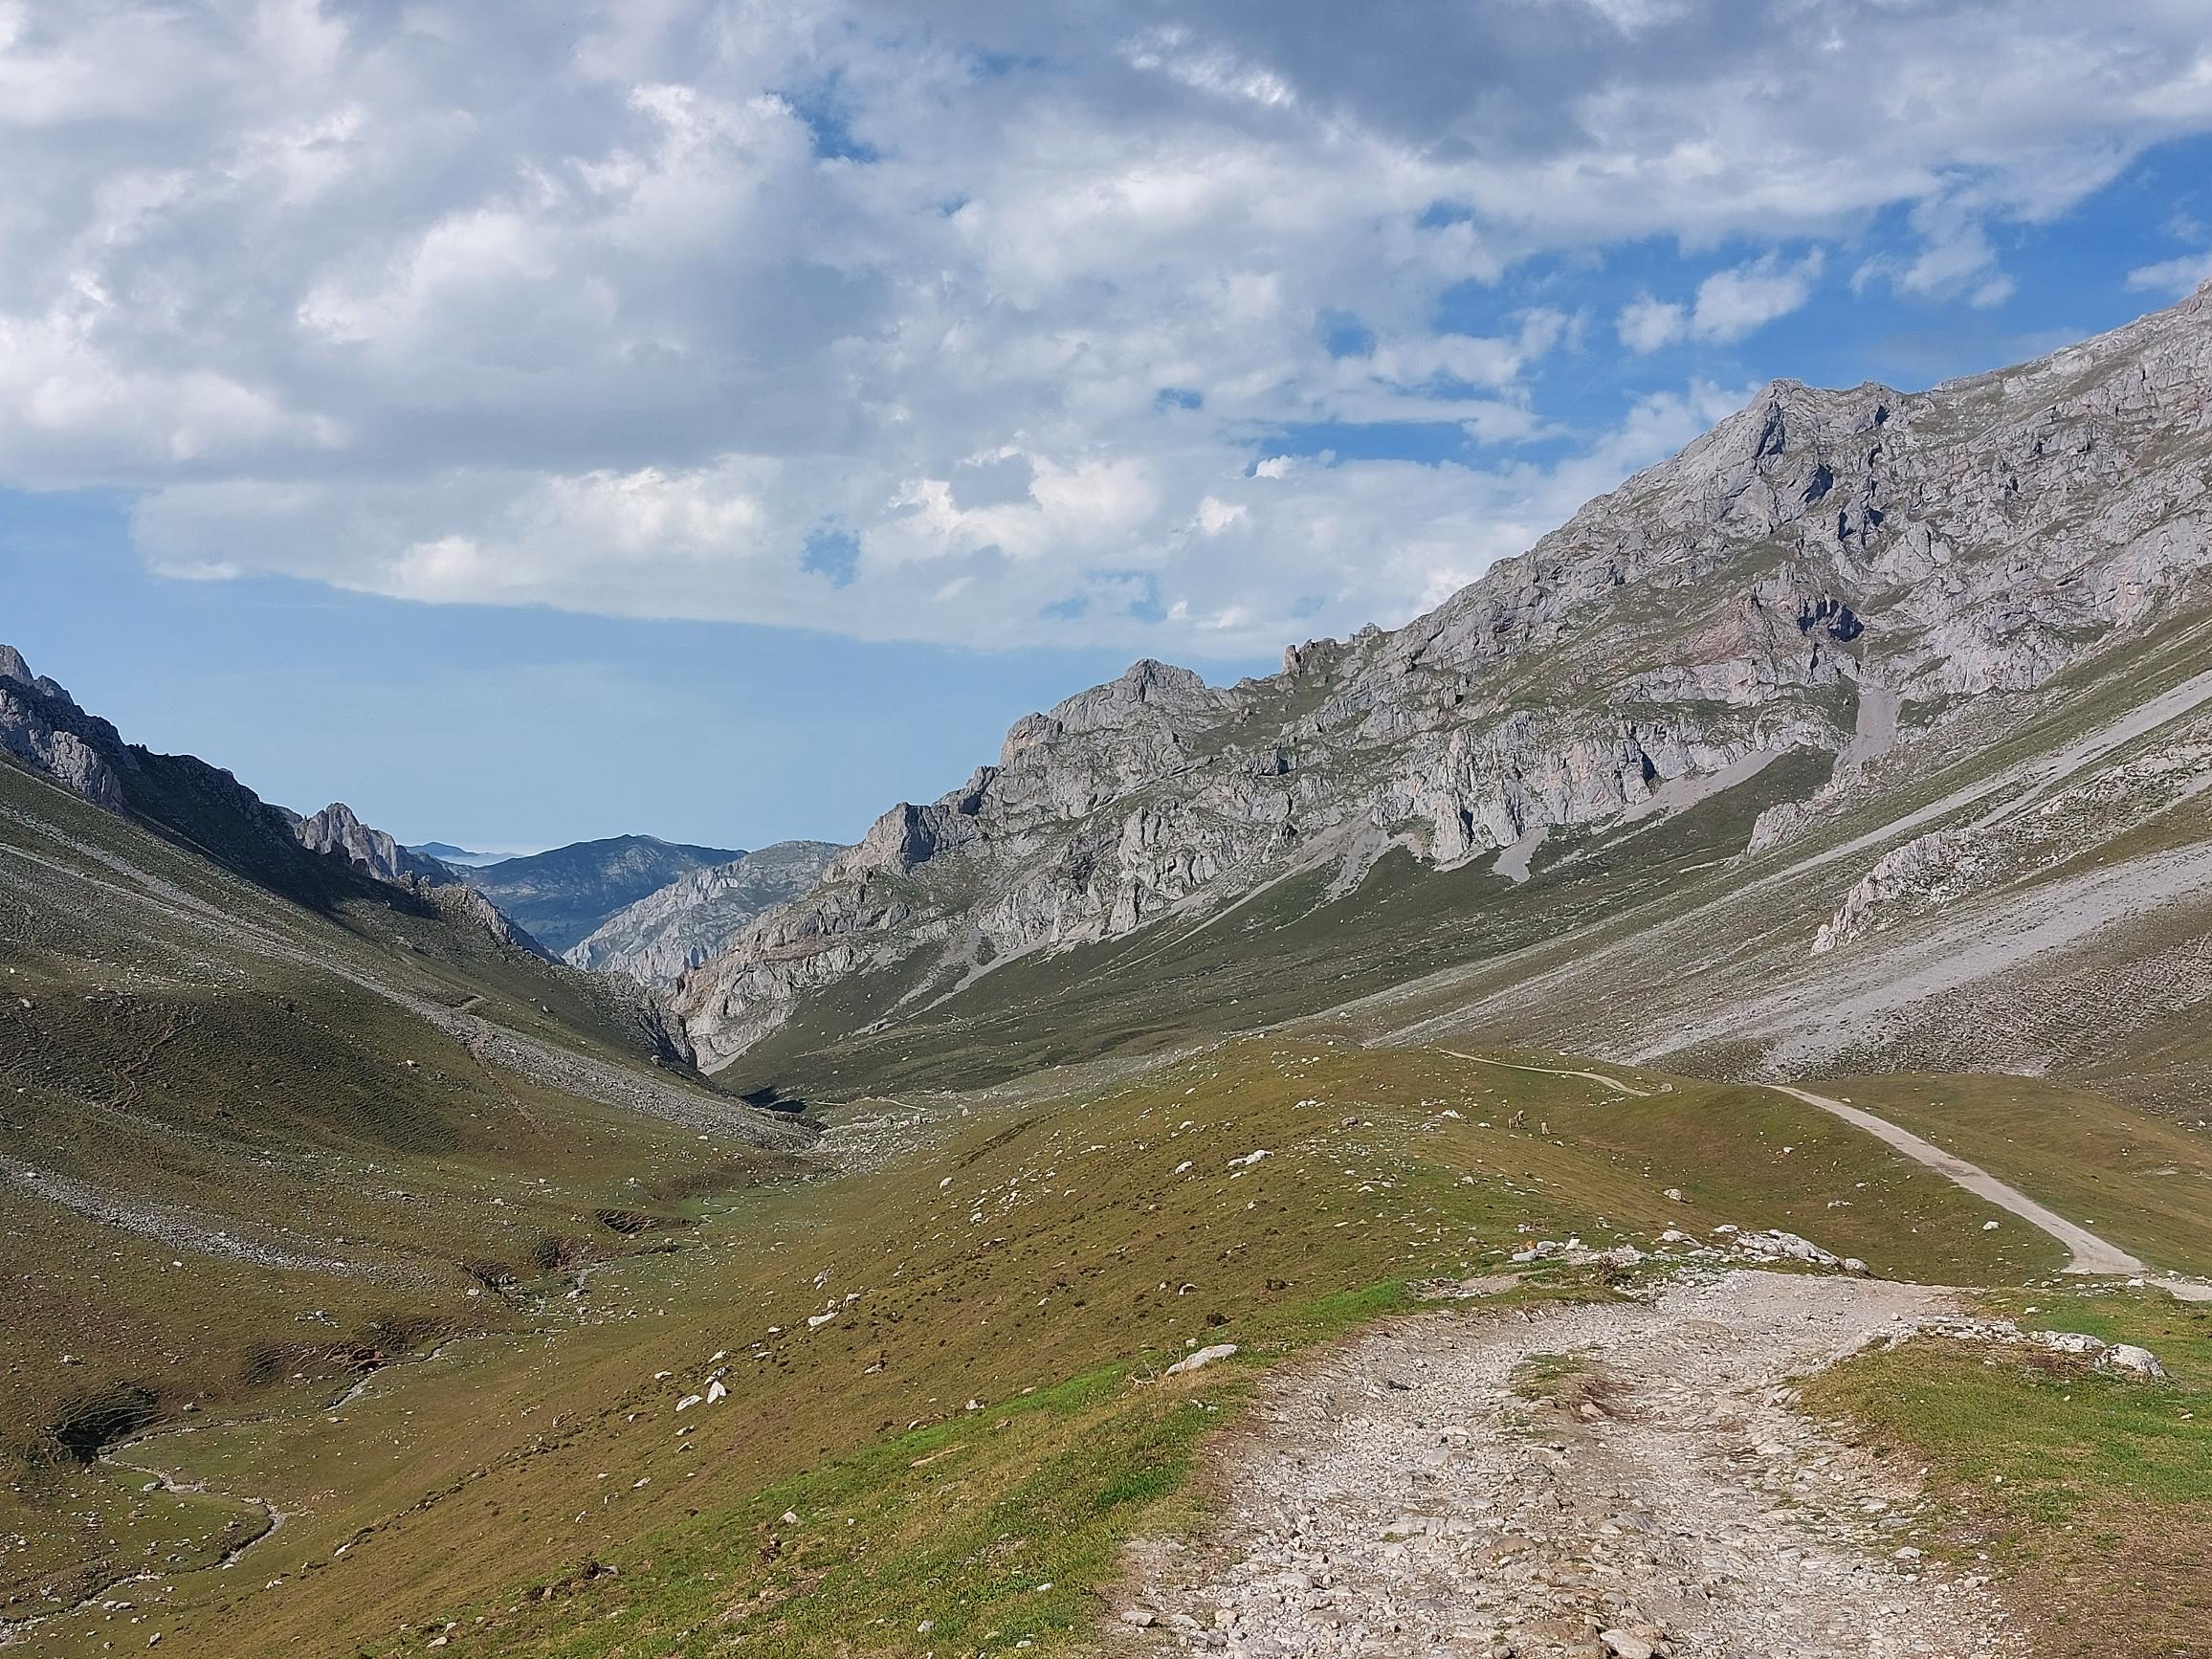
(1836, 609)
(564, 894)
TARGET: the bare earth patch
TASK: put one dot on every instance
(1621, 1479)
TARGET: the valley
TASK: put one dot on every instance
(1483, 1141)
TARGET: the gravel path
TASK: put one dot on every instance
(2089, 1253)
(1406, 1495)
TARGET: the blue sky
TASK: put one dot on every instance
(529, 423)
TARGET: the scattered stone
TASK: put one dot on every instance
(1460, 1516)
(1202, 1358)
(2135, 1361)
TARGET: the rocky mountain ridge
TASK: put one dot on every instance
(698, 916)
(1822, 571)
(317, 861)
(564, 894)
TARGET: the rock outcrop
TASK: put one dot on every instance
(336, 830)
(1722, 607)
(40, 725)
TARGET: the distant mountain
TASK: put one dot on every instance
(564, 895)
(698, 917)
(446, 853)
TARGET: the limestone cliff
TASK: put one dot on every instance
(1793, 578)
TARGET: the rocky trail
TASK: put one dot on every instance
(1614, 1481)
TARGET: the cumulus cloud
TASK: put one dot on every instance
(1729, 304)
(1646, 324)
(1040, 318)
(1732, 303)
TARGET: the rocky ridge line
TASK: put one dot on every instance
(1813, 550)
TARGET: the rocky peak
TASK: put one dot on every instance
(13, 668)
(336, 830)
(1148, 698)
(41, 727)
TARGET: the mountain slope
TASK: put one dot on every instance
(271, 1123)
(562, 895)
(1749, 629)
(699, 916)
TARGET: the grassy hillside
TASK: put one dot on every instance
(346, 1238)
(251, 1150)
(1043, 1257)
(2087, 1494)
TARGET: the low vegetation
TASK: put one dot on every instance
(2088, 1495)
(1045, 1258)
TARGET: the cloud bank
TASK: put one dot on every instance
(974, 323)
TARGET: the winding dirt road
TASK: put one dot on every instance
(2088, 1253)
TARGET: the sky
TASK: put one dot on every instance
(530, 420)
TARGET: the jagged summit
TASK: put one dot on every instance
(318, 861)
(336, 830)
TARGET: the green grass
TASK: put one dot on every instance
(2088, 1495)
(462, 1489)
(2142, 1182)
(196, 1070)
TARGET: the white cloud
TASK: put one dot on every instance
(1729, 304)
(614, 308)
(1214, 515)
(2177, 276)
(1732, 303)
(1646, 324)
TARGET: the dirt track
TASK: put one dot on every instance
(1407, 1497)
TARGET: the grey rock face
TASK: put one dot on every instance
(36, 728)
(1725, 604)
(698, 916)
(336, 830)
